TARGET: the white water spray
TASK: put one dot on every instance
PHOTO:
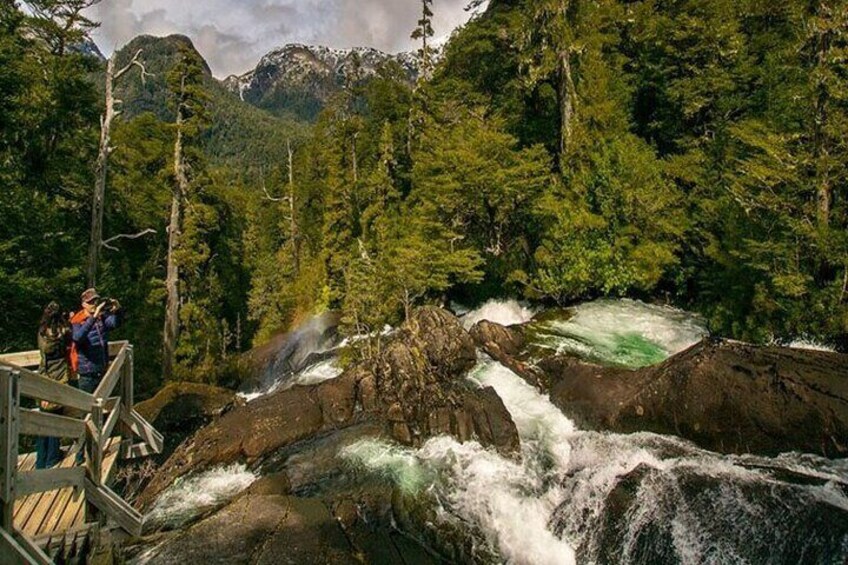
(621, 332)
(503, 312)
(190, 497)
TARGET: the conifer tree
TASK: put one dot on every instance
(424, 32)
(189, 103)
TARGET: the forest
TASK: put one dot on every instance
(690, 152)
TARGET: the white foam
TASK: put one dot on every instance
(504, 312)
(190, 497)
(536, 419)
(811, 345)
(507, 499)
(605, 329)
(318, 373)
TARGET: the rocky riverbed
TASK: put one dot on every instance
(504, 444)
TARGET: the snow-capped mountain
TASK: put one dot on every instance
(298, 79)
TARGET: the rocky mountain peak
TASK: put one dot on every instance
(298, 79)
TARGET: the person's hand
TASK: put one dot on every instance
(99, 309)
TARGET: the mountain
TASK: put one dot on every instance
(297, 80)
(238, 132)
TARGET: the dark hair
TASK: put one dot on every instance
(52, 320)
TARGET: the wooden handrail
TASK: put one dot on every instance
(110, 379)
(37, 386)
(100, 414)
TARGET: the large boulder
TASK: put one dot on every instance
(725, 396)
(414, 389)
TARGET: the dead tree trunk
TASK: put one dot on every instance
(293, 229)
(99, 198)
(172, 278)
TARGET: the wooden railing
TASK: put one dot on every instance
(95, 418)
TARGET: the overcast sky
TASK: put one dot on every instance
(233, 34)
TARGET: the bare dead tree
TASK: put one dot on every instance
(172, 277)
(108, 242)
(99, 197)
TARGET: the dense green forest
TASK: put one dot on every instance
(691, 151)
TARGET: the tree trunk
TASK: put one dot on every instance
(820, 145)
(98, 201)
(293, 231)
(566, 100)
(172, 280)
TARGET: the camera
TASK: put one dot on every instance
(110, 305)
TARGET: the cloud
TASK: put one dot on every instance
(232, 36)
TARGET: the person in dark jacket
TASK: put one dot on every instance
(91, 327)
(54, 344)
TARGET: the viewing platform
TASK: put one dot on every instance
(47, 512)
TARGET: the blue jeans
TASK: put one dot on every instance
(88, 382)
(47, 452)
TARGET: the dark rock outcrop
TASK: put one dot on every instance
(725, 396)
(414, 390)
(506, 345)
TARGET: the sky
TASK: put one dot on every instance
(232, 35)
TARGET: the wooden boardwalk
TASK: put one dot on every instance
(46, 515)
(43, 509)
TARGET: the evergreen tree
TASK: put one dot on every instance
(424, 32)
(188, 98)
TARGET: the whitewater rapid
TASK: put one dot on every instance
(589, 496)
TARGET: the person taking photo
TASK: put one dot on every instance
(90, 328)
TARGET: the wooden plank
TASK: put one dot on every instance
(40, 387)
(128, 396)
(36, 423)
(110, 379)
(109, 426)
(113, 506)
(32, 359)
(25, 463)
(27, 359)
(116, 346)
(30, 522)
(35, 552)
(12, 552)
(74, 512)
(60, 506)
(141, 450)
(78, 532)
(140, 427)
(9, 412)
(44, 480)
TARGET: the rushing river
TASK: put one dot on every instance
(577, 496)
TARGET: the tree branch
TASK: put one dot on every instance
(107, 242)
(134, 62)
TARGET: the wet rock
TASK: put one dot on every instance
(178, 405)
(414, 390)
(259, 529)
(506, 345)
(725, 396)
(497, 339)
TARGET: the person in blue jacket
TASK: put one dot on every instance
(90, 334)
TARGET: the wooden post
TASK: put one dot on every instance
(94, 453)
(9, 406)
(128, 401)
